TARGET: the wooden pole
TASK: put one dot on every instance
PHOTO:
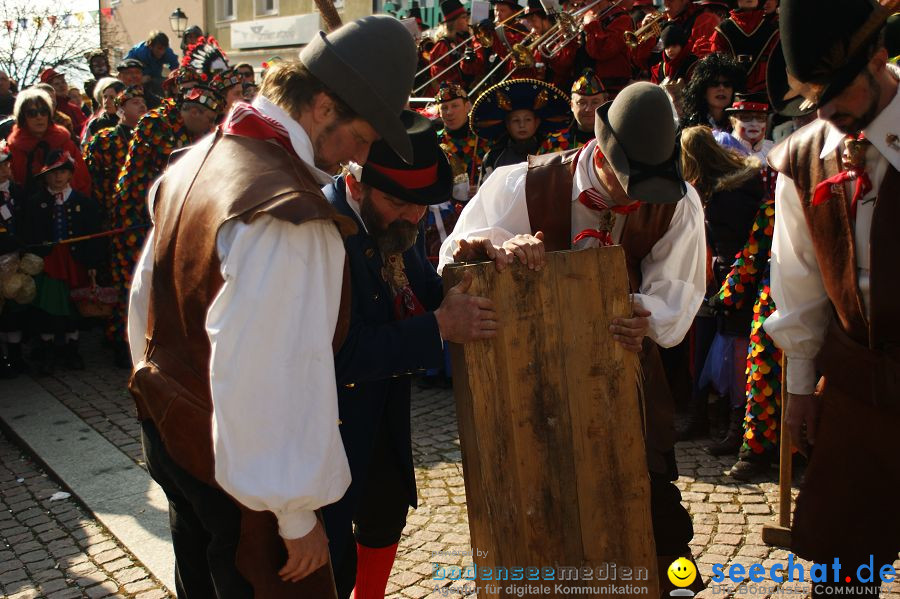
(329, 14)
(780, 535)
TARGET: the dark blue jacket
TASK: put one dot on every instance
(375, 361)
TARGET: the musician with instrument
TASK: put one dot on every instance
(447, 60)
(605, 26)
(749, 35)
(700, 24)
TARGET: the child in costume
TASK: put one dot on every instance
(53, 214)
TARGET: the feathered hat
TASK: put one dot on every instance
(205, 58)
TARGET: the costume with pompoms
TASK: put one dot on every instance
(751, 273)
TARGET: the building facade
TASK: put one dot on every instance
(130, 21)
(255, 31)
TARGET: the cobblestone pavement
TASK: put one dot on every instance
(51, 548)
(727, 516)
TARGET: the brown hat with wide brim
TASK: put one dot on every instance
(637, 135)
(370, 64)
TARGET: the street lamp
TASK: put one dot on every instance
(178, 21)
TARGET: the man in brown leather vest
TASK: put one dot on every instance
(834, 280)
(238, 302)
(588, 197)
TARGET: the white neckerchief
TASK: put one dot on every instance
(299, 138)
(586, 176)
(64, 194)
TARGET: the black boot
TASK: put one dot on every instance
(73, 359)
(16, 359)
(45, 354)
(697, 423)
(733, 439)
(746, 468)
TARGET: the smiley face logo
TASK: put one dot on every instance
(682, 572)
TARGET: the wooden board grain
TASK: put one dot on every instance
(551, 431)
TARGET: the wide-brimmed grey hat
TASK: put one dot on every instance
(370, 64)
(636, 133)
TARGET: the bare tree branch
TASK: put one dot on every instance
(60, 42)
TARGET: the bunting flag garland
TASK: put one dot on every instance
(38, 21)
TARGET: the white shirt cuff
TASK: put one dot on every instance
(801, 376)
(296, 524)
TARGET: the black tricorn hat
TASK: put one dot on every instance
(829, 42)
(370, 64)
(427, 181)
(637, 135)
(450, 9)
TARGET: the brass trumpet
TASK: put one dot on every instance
(569, 26)
(651, 28)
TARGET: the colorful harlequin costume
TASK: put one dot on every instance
(105, 155)
(749, 277)
(159, 133)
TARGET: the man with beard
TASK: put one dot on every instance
(834, 280)
(398, 319)
(238, 304)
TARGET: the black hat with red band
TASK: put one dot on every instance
(427, 181)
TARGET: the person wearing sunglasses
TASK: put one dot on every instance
(246, 72)
(34, 135)
(626, 188)
(710, 91)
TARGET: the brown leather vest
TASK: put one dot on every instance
(231, 178)
(548, 196)
(859, 340)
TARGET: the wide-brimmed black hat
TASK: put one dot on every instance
(781, 98)
(829, 42)
(549, 103)
(370, 64)
(428, 180)
(637, 135)
(451, 9)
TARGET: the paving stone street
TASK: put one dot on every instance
(55, 548)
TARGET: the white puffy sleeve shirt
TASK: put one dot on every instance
(276, 440)
(674, 273)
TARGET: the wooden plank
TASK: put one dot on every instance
(550, 426)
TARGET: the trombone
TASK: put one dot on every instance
(652, 28)
(482, 36)
(568, 25)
